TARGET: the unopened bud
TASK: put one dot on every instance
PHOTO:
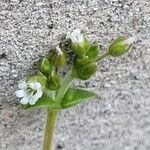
(81, 61)
(86, 72)
(120, 46)
(79, 43)
(92, 53)
(60, 58)
(45, 66)
(54, 82)
(57, 57)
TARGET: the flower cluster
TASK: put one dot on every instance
(49, 80)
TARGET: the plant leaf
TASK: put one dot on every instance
(43, 102)
(75, 96)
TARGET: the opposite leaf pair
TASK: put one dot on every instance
(71, 98)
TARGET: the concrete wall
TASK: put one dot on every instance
(28, 29)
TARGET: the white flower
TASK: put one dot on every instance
(29, 92)
(59, 51)
(76, 36)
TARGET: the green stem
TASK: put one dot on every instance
(65, 85)
(48, 137)
(52, 115)
(102, 57)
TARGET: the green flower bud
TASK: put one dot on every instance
(81, 61)
(57, 57)
(45, 66)
(60, 58)
(92, 53)
(120, 46)
(79, 43)
(54, 82)
(86, 72)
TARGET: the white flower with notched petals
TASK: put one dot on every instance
(29, 92)
(76, 36)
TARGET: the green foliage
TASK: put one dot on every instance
(86, 71)
(85, 59)
(80, 62)
(118, 40)
(118, 48)
(54, 82)
(54, 95)
(80, 49)
(57, 58)
(92, 53)
(84, 68)
(59, 61)
(45, 66)
(76, 96)
(71, 98)
(44, 102)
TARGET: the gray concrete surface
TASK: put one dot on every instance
(28, 28)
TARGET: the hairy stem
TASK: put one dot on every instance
(52, 115)
(65, 85)
(102, 57)
(48, 137)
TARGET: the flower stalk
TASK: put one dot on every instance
(49, 89)
(50, 126)
(52, 115)
(102, 57)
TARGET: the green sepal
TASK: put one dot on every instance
(54, 82)
(43, 102)
(52, 55)
(92, 53)
(80, 49)
(59, 61)
(76, 96)
(118, 40)
(118, 48)
(45, 66)
(80, 62)
(86, 71)
(86, 44)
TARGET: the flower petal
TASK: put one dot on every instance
(59, 51)
(33, 100)
(20, 93)
(31, 85)
(24, 101)
(38, 94)
(76, 32)
(75, 36)
(80, 38)
(22, 85)
(35, 97)
(37, 85)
